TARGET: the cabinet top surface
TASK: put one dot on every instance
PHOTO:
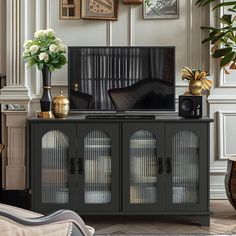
(111, 118)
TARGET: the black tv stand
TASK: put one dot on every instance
(110, 164)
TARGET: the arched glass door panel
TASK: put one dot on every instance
(97, 168)
(54, 163)
(143, 168)
(185, 167)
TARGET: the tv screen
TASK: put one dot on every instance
(121, 78)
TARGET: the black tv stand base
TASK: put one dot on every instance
(203, 220)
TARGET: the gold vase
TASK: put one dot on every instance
(195, 87)
(60, 106)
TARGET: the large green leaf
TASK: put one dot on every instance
(230, 35)
(221, 52)
(218, 37)
(226, 18)
(232, 28)
(224, 4)
(213, 33)
(208, 39)
(227, 59)
(202, 3)
(209, 28)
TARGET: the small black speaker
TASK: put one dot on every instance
(190, 106)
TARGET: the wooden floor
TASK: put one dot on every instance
(223, 221)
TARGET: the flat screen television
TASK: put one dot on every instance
(121, 78)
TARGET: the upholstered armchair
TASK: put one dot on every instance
(18, 222)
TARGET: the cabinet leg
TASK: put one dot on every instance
(203, 220)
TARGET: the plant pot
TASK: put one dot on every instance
(46, 100)
(230, 181)
(195, 87)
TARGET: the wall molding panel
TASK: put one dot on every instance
(3, 39)
(189, 33)
(222, 134)
(109, 33)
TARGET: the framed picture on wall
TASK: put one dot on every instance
(99, 9)
(69, 9)
(161, 9)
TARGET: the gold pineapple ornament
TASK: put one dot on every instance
(197, 80)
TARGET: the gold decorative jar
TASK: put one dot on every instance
(60, 106)
(195, 87)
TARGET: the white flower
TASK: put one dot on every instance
(27, 43)
(53, 48)
(61, 48)
(34, 48)
(26, 53)
(43, 56)
(39, 33)
(58, 40)
(50, 32)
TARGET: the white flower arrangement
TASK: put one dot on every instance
(45, 50)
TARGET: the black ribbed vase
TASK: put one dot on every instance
(46, 100)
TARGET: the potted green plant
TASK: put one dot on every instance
(47, 52)
(222, 38)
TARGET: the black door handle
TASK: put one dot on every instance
(168, 165)
(80, 166)
(72, 166)
(160, 166)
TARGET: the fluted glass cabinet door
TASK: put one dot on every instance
(142, 167)
(98, 167)
(52, 178)
(186, 161)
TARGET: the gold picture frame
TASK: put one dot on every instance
(99, 9)
(70, 9)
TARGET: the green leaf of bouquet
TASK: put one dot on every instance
(55, 61)
(221, 52)
(40, 66)
(62, 59)
(227, 59)
(51, 68)
(57, 66)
